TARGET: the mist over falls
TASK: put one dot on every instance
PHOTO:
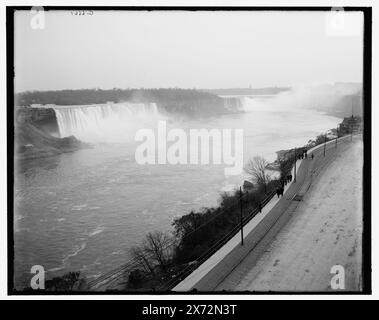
(96, 115)
(119, 122)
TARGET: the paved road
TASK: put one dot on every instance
(271, 223)
(325, 231)
(284, 209)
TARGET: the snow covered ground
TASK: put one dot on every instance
(325, 230)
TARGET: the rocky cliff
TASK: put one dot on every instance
(32, 143)
(42, 118)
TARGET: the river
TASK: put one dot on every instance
(85, 210)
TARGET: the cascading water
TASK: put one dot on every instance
(234, 103)
(105, 122)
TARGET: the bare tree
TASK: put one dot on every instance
(143, 259)
(256, 168)
(157, 246)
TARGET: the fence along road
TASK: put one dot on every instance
(263, 227)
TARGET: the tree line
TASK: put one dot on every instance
(172, 100)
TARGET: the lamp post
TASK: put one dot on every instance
(241, 217)
(336, 137)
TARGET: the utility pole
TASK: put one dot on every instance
(352, 119)
(294, 179)
(241, 217)
(324, 145)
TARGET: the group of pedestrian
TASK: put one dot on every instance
(288, 178)
(283, 183)
(280, 191)
(302, 155)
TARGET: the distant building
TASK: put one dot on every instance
(350, 124)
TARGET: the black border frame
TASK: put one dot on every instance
(367, 86)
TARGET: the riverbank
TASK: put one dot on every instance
(33, 143)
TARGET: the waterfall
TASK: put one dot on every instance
(234, 103)
(104, 122)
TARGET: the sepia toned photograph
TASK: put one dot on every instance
(188, 150)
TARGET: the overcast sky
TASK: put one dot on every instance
(184, 49)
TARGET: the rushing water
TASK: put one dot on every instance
(84, 210)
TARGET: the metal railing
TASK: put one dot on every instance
(215, 247)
